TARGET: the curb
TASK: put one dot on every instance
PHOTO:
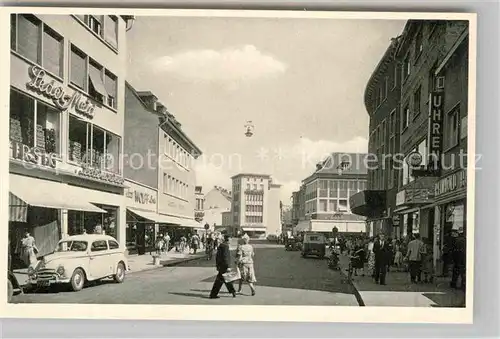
(356, 292)
(167, 264)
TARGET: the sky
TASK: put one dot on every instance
(299, 81)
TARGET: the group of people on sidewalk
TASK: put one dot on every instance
(245, 272)
(375, 257)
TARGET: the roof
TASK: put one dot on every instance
(251, 175)
(88, 237)
(339, 164)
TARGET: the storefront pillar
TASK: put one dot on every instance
(63, 217)
(122, 227)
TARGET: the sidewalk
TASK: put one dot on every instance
(139, 263)
(401, 293)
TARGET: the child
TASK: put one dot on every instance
(398, 257)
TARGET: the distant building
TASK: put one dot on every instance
(326, 195)
(255, 205)
(216, 202)
(199, 204)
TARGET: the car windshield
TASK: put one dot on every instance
(74, 246)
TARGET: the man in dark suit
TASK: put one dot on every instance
(382, 251)
(222, 262)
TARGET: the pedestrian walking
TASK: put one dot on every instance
(195, 243)
(427, 261)
(458, 254)
(398, 256)
(371, 257)
(245, 264)
(222, 262)
(166, 240)
(382, 252)
(358, 257)
(209, 250)
(29, 249)
(414, 257)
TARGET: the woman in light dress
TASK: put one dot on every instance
(371, 257)
(29, 249)
(398, 257)
(244, 261)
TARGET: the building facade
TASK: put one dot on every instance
(199, 204)
(327, 193)
(382, 101)
(217, 202)
(66, 126)
(255, 205)
(158, 169)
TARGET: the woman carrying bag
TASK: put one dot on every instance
(244, 261)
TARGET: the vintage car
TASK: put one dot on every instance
(13, 286)
(79, 259)
(314, 244)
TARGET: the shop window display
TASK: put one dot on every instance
(33, 123)
(94, 146)
(80, 222)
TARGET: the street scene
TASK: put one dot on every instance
(200, 160)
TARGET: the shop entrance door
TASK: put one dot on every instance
(141, 239)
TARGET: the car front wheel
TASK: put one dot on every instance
(77, 280)
(120, 273)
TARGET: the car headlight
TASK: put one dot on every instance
(60, 270)
(31, 270)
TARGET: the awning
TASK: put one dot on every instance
(49, 194)
(368, 203)
(253, 229)
(155, 217)
(98, 84)
(189, 223)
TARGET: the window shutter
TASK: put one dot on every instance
(96, 78)
(111, 30)
(52, 52)
(78, 69)
(29, 37)
(110, 84)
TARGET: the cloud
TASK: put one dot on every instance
(231, 64)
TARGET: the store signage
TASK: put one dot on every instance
(32, 155)
(414, 159)
(395, 220)
(451, 183)
(142, 198)
(414, 196)
(435, 132)
(47, 87)
(96, 173)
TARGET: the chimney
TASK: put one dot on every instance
(149, 99)
(319, 166)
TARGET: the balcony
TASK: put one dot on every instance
(256, 191)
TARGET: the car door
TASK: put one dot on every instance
(115, 255)
(98, 259)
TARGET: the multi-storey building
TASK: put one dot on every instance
(158, 165)
(199, 204)
(382, 96)
(434, 92)
(327, 193)
(67, 103)
(255, 205)
(217, 202)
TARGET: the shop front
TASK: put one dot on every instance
(450, 216)
(144, 224)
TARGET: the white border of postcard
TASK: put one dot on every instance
(236, 312)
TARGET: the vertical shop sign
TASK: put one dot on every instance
(435, 131)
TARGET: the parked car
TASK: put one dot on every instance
(13, 286)
(314, 244)
(272, 237)
(79, 259)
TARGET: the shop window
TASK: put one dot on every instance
(97, 156)
(33, 123)
(112, 149)
(99, 245)
(452, 128)
(78, 133)
(37, 42)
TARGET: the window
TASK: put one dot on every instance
(417, 102)
(323, 188)
(332, 205)
(342, 207)
(395, 76)
(111, 30)
(37, 42)
(406, 67)
(405, 121)
(91, 77)
(452, 128)
(99, 245)
(93, 145)
(113, 245)
(34, 124)
(419, 45)
(343, 189)
(386, 86)
(323, 205)
(392, 121)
